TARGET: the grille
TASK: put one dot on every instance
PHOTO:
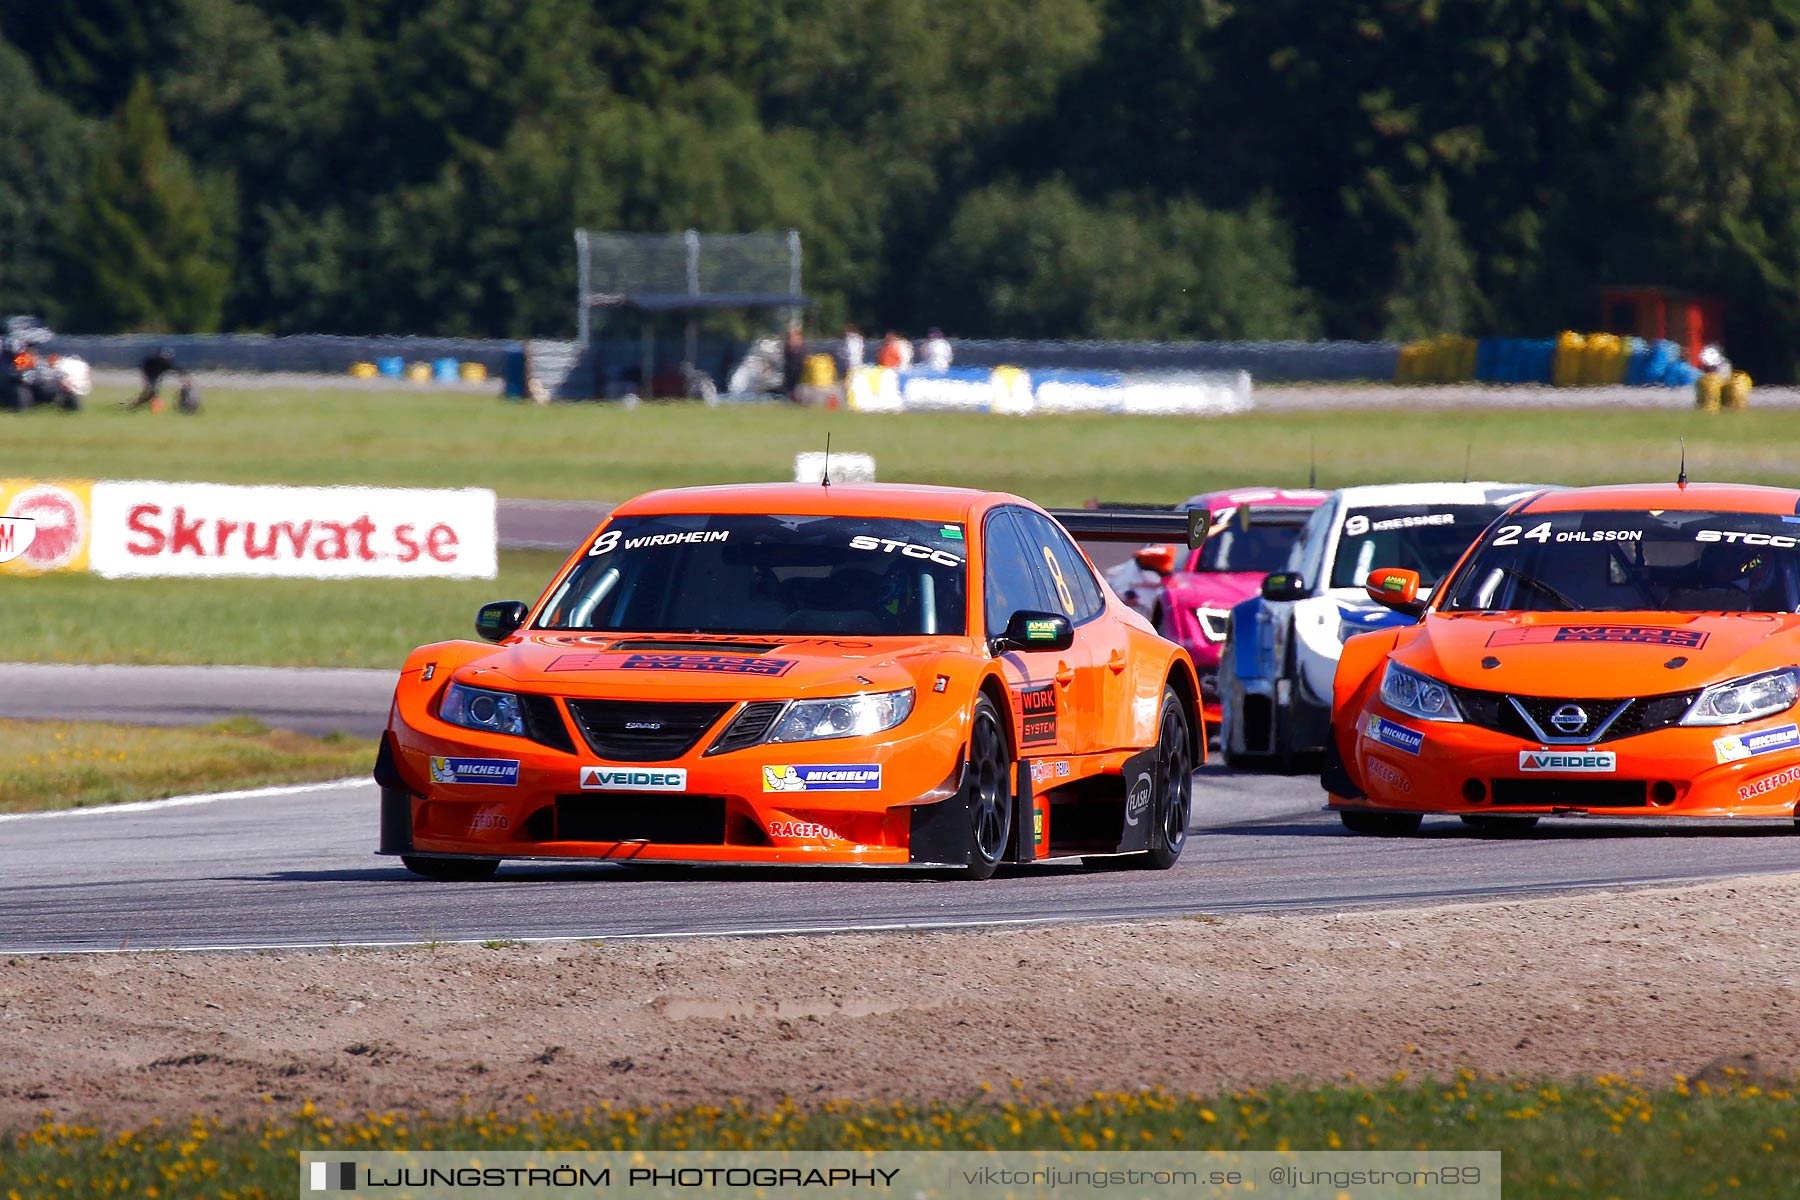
(543, 724)
(674, 818)
(1571, 793)
(749, 727)
(1493, 710)
(662, 730)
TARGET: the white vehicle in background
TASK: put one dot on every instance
(1282, 647)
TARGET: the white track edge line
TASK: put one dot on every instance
(136, 806)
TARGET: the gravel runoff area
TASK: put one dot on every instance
(1657, 982)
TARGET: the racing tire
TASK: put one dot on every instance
(987, 793)
(68, 402)
(458, 870)
(1381, 824)
(1496, 823)
(1171, 797)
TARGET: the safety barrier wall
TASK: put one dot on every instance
(141, 528)
(1011, 390)
(1569, 360)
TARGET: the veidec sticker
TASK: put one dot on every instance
(826, 777)
(633, 779)
(1037, 706)
(1388, 733)
(717, 664)
(1631, 635)
(1582, 762)
(1739, 746)
(503, 772)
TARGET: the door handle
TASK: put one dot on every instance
(1116, 663)
(1065, 674)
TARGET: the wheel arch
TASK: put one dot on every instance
(1181, 677)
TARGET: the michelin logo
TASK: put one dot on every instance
(1389, 734)
(500, 771)
(1740, 746)
(824, 778)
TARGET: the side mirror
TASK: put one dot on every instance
(1029, 631)
(1283, 585)
(1160, 559)
(1396, 588)
(500, 619)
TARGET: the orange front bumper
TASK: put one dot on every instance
(856, 806)
(1667, 773)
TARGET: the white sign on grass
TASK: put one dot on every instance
(212, 529)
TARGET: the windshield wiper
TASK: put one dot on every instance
(1533, 582)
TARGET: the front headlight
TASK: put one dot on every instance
(1417, 695)
(1214, 622)
(1746, 699)
(478, 708)
(848, 716)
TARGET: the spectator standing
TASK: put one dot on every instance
(889, 355)
(853, 350)
(793, 358)
(935, 353)
(906, 351)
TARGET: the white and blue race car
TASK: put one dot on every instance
(1282, 647)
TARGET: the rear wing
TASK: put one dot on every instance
(1184, 525)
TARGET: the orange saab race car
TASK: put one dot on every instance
(1619, 651)
(794, 674)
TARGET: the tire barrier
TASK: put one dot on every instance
(1571, 359)
(1013, 391)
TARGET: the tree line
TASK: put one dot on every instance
(1030, 168)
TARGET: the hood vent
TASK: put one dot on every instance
(682, 646)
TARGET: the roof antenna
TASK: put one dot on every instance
(1312, 462)
(1681, 479)
(825, 475)
(1468, 455)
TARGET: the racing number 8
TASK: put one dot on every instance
(604, 543)
(1063, 595)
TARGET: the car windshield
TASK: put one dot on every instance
(1617, 561)
(1427, 538)
(1236, 546)
(698, 573)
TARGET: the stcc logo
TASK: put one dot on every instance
(1570, 718)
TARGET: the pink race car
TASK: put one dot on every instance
(1252, 532)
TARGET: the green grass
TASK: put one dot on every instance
(606, 452)
(263, 622)
(72, 764)
(1577, 1139)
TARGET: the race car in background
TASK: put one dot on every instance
(1623, 651)
(1189, 594)
(1282, 646)
(861, 674)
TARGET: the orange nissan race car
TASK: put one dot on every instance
(794, 674)
(1619, 651)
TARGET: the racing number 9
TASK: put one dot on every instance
(1063, 595)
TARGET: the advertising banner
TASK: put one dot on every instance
(44, 525)
(144, 529)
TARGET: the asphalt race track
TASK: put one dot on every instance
(297, 869)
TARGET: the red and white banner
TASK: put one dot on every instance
(214, 529)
